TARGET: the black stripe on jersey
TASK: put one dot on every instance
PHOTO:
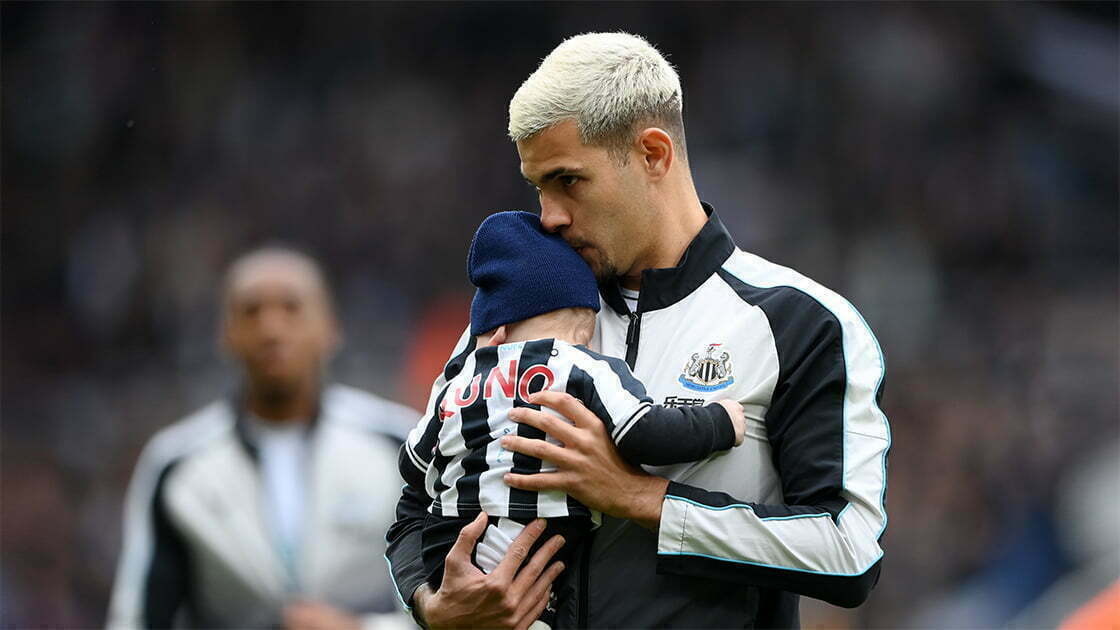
(439, 462)
(476, 434)
(625, 376)
(582, 388)
(805, 422)
(167, 584)
(534, 353)
(426, 446)
(581, 382)
(455, 364)
(406, 465)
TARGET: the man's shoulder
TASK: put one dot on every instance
(189, 435)
(783, 292)
(364, 411)
(795, 306)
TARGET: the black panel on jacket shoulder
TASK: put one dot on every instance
(805, 422)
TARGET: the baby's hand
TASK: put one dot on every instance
(738, 420)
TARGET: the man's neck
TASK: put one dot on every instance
(278, 406)
(679, 224)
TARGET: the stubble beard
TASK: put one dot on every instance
(606, 273)
(601, 266)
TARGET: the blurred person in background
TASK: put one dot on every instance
(267, 508)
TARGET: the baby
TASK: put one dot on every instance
(539, 298)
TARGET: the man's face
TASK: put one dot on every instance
(597, 205)
(277, 323)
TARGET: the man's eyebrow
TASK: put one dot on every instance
(551, 175)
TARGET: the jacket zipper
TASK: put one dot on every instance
(633, 333)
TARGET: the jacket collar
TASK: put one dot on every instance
(244, 432)
(665, 287)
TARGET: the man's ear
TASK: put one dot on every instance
(657, 152)
(499, 336)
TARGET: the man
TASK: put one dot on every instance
(267, 509)
(728, 542)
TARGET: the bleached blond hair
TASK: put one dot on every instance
(609, 83)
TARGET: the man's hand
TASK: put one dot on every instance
(511, 596)
(317, 616)
(589, 466)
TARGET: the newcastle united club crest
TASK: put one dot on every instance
(709, 373)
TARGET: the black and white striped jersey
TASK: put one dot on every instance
(454, 452)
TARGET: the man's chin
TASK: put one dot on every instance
(603, 270)
(274, 383)
(604, 273)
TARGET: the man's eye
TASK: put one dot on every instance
(568, 180)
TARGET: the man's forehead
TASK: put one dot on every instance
(558, 146)
(272, 273)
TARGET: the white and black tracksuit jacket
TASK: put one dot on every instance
(197, 550)
(797, 509)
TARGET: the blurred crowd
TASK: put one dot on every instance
(950, 168)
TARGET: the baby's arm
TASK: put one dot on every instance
(646, 433)
(674, 435)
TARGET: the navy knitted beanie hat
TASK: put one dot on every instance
(522, 271)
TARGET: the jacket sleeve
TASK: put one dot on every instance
(404, 536)
(153, 572)
(829, 443)
(676, 435)
(419, 447)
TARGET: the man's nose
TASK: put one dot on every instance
(272, 323)
(553, 215)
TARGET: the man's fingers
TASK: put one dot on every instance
(539, 481)
(468, 537)
(518, 551)
(539, 449)
(555, 427)
(566, 405)
(531, 572)
(536, 599)
(533, 612)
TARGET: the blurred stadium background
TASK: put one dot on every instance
(951, 168)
